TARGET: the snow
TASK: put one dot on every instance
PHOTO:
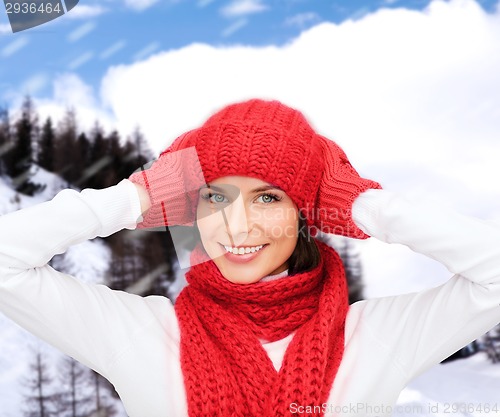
(469, 385)
(11, 200)
(87, 261)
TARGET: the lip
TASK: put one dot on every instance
(242, 259)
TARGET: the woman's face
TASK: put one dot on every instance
(238, 215)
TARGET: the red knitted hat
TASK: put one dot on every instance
(266, 140)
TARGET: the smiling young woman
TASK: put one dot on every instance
(263, 327)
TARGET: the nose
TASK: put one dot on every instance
(236, 221)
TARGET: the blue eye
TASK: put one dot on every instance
(214, 198)
(269, 198)
(218, 198)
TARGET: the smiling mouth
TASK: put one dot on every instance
(243, 250)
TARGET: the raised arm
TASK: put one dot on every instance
(425, 327)
(89, 322)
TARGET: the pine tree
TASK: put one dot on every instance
(351, 261)
(46, 147)
(5, 139)
(113, 171)
(4, 118)
(20, 158)
(159, 253)
(491, 344)
(141, 263)
(66, 151)
(124, 268)
(101, 405)
(353, 270)
(40, 400)
(99, 159)
(142, 149)
(136, 153)
(74, 399)
(83, 147)
(83, 163)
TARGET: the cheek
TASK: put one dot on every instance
(207, 237)
(208, 223)
(203, 228)
(281, 228)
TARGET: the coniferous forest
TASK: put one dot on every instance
(94, 159)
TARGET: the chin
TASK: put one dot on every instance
(243, 281)
(242, 278)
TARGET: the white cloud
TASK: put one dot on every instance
(243, 7)
(80, 60)
(81, 31)
(412, 97)
(34, 84)
(302, 19)
(82, 11)
(31, 86)
(113, 49)
(359, 13)
(234, 27)
(15, 46)
(69, 91)
(140, 4)
(5, 28)
(146, 51)
(204, 3)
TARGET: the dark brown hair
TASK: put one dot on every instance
(306, 254)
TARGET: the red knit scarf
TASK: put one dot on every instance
(226, 370)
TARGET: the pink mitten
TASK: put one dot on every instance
(172, 182)
(339, 187)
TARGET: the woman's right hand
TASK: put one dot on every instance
(171, 183)
(144, 198)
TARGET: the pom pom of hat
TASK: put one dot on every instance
(262, 139)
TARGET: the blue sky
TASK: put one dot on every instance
(96, 35)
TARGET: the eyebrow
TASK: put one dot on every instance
(255, 190)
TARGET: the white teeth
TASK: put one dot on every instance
(241, 251)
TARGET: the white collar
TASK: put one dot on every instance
(275, 276)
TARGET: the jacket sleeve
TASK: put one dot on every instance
(421, 329)
(88, 322)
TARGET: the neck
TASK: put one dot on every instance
(275, 276)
